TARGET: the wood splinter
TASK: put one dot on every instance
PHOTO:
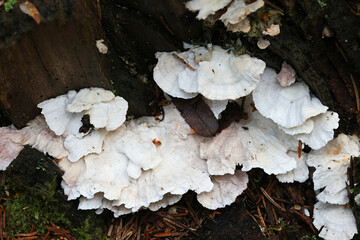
(183, 61)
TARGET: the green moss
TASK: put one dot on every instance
(9, 5)
(36, 198)
(36, 208)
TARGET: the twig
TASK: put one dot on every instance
(183, 61)
(306, 219)
(356, 93)
(299, 148)
(272, 200)
(166, 26)
(273, 6)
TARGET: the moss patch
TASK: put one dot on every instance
(36, 198)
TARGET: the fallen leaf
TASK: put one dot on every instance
(198, 115)
(30, 9)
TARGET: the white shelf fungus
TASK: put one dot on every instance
(173, 76)
(226, 189)
(216, 106)
(323, 130)
(215, 73)
(206, 7)
(234, 17)
(335, 221)
(226, 76)
(223, 152)
(9, 149)
(64, 115)
(289, 107)
(300, 173)
(331, 163)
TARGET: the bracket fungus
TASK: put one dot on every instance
(215, 73)
(288, 107)
(334, 221)
(235, 12)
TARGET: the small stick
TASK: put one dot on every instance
(299, 149)
(168, 234)
(356, 93)
(306, 219)
(183, 61)
(272, 200)
(273, 6)
(166, 26)
(262, 222)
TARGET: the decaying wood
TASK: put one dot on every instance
(50, 60)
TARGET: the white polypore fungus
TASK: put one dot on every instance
(323, 131)
(234, 17)
(9, 149)
(79, 147)
(331, 163)
(109, 115)
(300, 173)
(217, 74)
(84, 99)
(237, 12)
(226, 76)
(206, 7)
(286, 76)
(55, 113)
(267, 146)
(216, 106)
(224, 151)
(335, 221)
(166, 169)
(173, 76)
(64, 115)
(226, 189)
(288, 107)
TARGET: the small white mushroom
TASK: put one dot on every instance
(272, 30)
(334, 221)
(286, 76)
(263, 43)
(288, 107)
(226, 189)
(101, 46)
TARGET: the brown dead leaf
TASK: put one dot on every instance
(30, 9)
(198, 115)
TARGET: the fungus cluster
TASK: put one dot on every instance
(125, 166)
(281, 113)
(235, 15)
